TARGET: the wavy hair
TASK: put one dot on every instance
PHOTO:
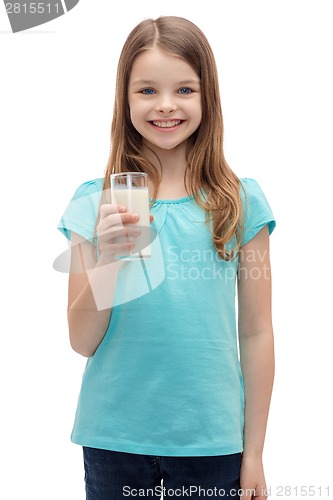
(208, 177)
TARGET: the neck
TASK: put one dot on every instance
(173, 164)
(173, 161)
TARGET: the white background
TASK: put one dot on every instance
(56, 91)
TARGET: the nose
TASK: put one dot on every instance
(166, 104)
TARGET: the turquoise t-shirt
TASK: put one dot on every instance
(166, 379)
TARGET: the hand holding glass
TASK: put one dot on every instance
(130, 189)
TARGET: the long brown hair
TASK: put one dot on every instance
(208, 177)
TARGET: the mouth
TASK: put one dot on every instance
(166, 124)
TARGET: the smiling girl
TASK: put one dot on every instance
(166, 394)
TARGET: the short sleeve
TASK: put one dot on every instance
(81, 214)
(257, 212)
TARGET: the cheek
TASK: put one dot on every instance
(199, 114)
(195, 110)
(137, 111)
(197, 117)
(133, 116)
(199, 108)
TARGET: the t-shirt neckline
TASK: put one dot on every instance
(175, 200)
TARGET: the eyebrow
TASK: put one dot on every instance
(191, 81)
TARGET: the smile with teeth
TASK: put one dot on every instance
(168, 124)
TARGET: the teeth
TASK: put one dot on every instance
(167, 124)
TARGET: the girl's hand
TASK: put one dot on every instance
(252, 479)
(115, 231)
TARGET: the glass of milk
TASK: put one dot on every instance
(130, 189)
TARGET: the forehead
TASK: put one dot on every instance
(156, 64)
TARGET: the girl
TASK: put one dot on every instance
(165, 395)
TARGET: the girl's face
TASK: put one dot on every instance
(164, 99)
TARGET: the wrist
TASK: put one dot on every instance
(252, 454)
(107, 259)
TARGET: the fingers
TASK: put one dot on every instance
(114, 215)
(117, 219)
(122, 231)
(117, 228)
(108, 208)
(251, 492)
(111, 209)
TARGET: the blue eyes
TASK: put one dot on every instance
(182, 91)
(185, 90)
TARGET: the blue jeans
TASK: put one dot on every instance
(114, 475)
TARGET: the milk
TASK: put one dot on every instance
(136, 199)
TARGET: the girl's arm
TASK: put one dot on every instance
(92, 281)
(256, 354)
(91, 289)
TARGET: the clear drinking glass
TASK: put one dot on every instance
(130, 189)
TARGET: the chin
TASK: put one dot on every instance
(167, 146)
